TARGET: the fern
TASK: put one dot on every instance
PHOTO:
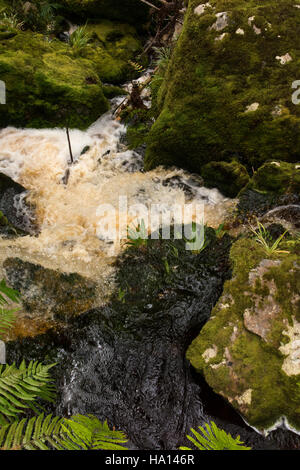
(7, 316)
(21, 386)
(11, 294)
(213, 438)
(45, 433)
(87, 432)
(137, 67)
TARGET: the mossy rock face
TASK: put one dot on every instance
(229, 178)
(276, 177)
(249, 350)
(46, 86)
(48, 294)
(112, 45)
(228, 90)
(130, 11)
(275, 185)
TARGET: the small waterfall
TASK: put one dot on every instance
(70, 227)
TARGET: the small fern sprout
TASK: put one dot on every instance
(213, 438)
(136, 66)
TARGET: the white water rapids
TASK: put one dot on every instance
(67, 214)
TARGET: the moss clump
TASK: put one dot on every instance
(111, 91)
(276, 177)
(46, 86)
(229, 178)
(239, 350)
(112, 45)
(230, 96)
(3, 220)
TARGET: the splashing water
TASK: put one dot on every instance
(70, 226)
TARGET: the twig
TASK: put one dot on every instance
(70, 148)
(149, 4)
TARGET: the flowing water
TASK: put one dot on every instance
(71, 238)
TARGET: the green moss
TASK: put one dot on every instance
(276, 177)
(210, 84)
(246, 358)
(3, 220)
(139, 123)
(113, 44)
(46, 85)
(110, 91)
(229, 178)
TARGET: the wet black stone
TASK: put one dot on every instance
(9, 193)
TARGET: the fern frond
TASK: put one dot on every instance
(21, 386)
(37, 433)
(137, 67)
(213, 438)
(11, 294)
(87, 432)
(7, 318)
(47, 432)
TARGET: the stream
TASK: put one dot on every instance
(122, 360)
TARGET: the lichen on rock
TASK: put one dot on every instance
(255, 330)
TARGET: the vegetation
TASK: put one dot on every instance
(138, 236)
(239, 350)
(263, 237)
(213, 438)
(214, 76)
(79, 39)
(21, 391)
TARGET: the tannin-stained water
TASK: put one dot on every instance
(70, 237)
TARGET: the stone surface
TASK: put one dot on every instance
(255, 332)
(211, 79)
(47, 294)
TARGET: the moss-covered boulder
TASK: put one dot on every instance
(276, 177)
(46, 86)
(249, 349)
(227, 92)
(112, 46)
(228, 177)
(130, 11)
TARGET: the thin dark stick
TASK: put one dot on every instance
(70, 148)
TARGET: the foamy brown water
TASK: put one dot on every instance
(70, 226)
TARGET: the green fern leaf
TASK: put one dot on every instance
(45, 433)
(20, 387)
(213, 438)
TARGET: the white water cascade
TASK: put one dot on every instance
(67, 215)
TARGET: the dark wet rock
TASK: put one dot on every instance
(16, 216)
(177, 182)
(85, 149)
(252, 202)
(289, 213)
(48, 293)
